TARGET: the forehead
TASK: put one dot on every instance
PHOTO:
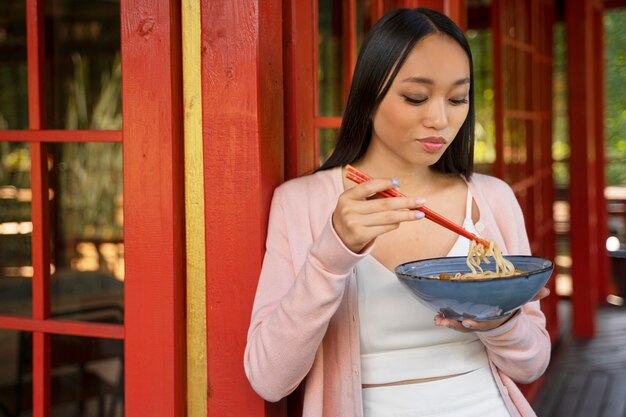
(436, 57)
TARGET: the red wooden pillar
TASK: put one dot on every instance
(498, 82)
(349, 44)
(454, 9)
(604, 277)
(242, 115)
(585, 186)
(40, 207)
(154, 288)
(457, 11)
(301, 153)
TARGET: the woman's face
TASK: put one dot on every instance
(426, 104)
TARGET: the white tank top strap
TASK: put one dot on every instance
(468, 204)
(462, 244)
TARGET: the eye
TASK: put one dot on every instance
(416, 101)
(459, 101)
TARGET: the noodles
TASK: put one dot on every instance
(479, 253)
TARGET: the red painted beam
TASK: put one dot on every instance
(457, 11)
(604, 275)
(349, 44)
(39, 205)
(583, 181)
(497, 8)
(431, 4)
(377, 10)
(614, 4)
(58, 136)
(300, 85)
(242, 98)
(67, 327)
(154, 288)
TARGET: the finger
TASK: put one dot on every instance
(543, 293)
(483, 325)
(371, 187)
(441, 321)
(388, 217)
(386, 204)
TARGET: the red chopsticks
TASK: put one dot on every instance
(359, 177)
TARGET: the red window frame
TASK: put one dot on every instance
(153, 331)
(524, 29)
(531, 180)
(588, 232)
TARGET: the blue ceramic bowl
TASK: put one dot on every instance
(486, 299)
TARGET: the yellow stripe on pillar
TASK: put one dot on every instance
(194, 212)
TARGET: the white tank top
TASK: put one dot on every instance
(398, 338)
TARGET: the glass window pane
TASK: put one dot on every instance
(485, 131)
(16, 268)
(13, 78)
(15, 386)
(330, 58)
(83, 67)
(615, 102)
(327, 139)
(86, 221)
(86, 377)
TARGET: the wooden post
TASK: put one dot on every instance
(242, 118)
(497, 8)
(584, 190)
(604, 277)
(40, 206)
(300, 83)
(154, 288)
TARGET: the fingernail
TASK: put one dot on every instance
(420, 201)
(419, 214)
(395, 182)
(466, 325)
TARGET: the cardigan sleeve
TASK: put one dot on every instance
(293, 305)
(520, 348)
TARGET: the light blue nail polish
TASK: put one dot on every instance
(419, 214)
(466, 325)
(395, 182)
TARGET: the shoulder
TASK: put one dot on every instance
(310, 198)
(321, 184)
(493, 191)
(501, 212)
(490, 184)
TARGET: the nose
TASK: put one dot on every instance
(436, 115)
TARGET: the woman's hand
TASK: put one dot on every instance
(358, 220)
(483, 325)
(470, 325)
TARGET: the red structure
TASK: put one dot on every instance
(153, 329)
(262, 123)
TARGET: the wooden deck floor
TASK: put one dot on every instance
(587, 378)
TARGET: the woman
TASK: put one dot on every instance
(329, 312)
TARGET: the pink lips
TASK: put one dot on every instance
(432, 143)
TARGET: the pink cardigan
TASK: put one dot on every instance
(305, 323)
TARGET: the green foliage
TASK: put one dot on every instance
(615, 97)
(485, 132)
(88, 185)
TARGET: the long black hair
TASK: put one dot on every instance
(383, 52)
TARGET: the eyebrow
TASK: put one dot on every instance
(422, 80)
